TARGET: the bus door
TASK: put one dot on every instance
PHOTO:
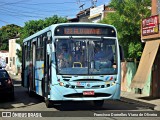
(33, 63)
(24, 51)
(47, 67)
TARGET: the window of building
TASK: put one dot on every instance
(13, 60)
(6, 60)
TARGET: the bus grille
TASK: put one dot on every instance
(90, 80)
(93, 87)
(83, 87)
(79, 95)
(84, 80)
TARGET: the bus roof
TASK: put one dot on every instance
(52, 27)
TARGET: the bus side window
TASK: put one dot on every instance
(41, 48)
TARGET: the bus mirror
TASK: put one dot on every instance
(121, 53)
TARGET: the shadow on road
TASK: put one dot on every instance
(149, 98)
(22, 100)
(138, 102)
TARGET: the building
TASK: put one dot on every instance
(99, 13)
(92, 14)
(83, 16)
(13, 61)
(73, 19)
(147, 74)
(96, 13)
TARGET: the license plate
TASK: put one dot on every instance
(88, 92)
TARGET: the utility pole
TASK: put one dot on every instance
(80, 5)
(93, 2)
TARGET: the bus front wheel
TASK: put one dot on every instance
(98, 103)
(48, 103)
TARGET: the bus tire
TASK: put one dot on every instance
(48, 103)
(98, 103)
(30, 92)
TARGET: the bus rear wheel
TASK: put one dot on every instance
(30, 92)
(98, 103)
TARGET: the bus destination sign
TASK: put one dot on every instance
(80, 31)
(150, 25)
(85, 31)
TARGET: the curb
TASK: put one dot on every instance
(16, 77)
(142, 103)
(157, 108)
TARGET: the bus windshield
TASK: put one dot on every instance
(86, 56)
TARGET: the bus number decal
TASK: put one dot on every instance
(89, 77)
(81, 83)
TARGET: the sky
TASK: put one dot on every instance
(20, 11)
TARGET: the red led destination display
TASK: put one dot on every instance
(150, 25)
(82, 31)
(79, 30)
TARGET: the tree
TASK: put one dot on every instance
(127, 19)
(8, 32)
(34, 26)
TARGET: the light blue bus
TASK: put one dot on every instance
(73, 62)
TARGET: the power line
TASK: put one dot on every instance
(12, 13)
(30, 7)
(40, 10)
(50, 3)
(93, 2)
(26, 9)
(37, 5)
(37, 10)
(10, 3)
(4, 21)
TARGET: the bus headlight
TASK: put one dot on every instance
(61, 84)
(113, 83)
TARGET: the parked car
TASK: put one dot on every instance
(6, 85)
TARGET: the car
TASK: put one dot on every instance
(6, 85)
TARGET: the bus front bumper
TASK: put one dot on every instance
(66, 94)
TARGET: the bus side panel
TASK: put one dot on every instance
(118, 83)
(118, 92)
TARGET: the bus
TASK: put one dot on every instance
(73, 62)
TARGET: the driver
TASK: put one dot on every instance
(102, 59)
(65, 56)
(99, 54)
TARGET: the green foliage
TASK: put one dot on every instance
(8, 32)
(127, 20)
(135, 50)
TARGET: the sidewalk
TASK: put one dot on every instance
(130, 97)
(15, 77)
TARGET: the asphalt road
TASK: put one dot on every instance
(68, 110)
